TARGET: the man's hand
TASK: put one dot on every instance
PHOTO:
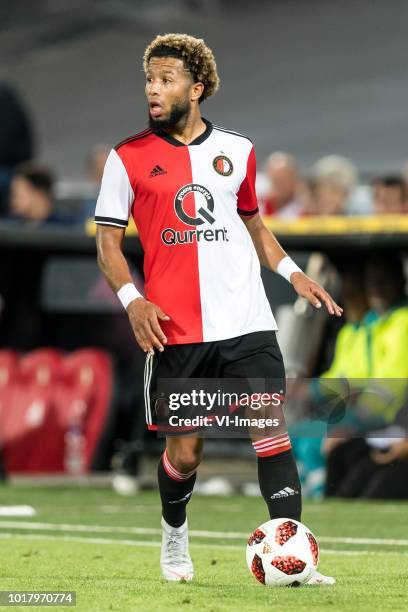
(305, 287)
(397, 452)
(144, 319)
(270, 253)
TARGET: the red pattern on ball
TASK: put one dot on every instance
(285, 531)
(289, 565)
(314, 547)
(256, 537)
(257, 569)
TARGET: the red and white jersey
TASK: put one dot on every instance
(200, 264)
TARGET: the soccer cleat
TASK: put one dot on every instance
(175, 559)
(319, 579)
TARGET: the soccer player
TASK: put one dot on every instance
(190, 187)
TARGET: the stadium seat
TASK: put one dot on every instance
(88, 379)
(32, 431)
(41, 395)
(8, 366)
(8, 378)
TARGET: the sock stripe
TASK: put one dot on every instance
(275, 445)
(280, 448)
(268, 441)
(272, 446)
(171, 470)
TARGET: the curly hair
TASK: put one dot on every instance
(198, 59)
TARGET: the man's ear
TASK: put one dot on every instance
(197, 91)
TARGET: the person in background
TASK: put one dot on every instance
(283, 186)
(355, 449)
(390, 195)
(405, 177)
(31, 205)
(32, 194)
(16, 138)
(333, 182)
(308, 434)
(382, 463)
(95, 164)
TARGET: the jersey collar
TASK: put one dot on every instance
(177, 143)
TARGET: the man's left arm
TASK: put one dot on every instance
(270, 252)
(272, 256)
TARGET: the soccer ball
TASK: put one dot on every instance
(282, 552)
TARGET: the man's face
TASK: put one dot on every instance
(21, 197)
(26, 201)
(168, 90)
(388, 199)
(382, 290)
(329, 199)
(284, 182)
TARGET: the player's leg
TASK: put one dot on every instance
(176, 476)
(178, 464)
(257, 356)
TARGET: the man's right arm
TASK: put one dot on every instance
(143, 315)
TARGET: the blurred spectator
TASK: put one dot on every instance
(374, 472)
(385, 285)
(352, 460)
(390, 195)
(334, 179)
(405, 176)
(31, 194)
(95, 165)
(283, 186)
(16, 138)
(306, 435)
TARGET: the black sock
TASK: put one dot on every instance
(280, 486)
(175, 494)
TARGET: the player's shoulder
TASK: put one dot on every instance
(230, 133)
(134, 139)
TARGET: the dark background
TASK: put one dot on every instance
(312, 77)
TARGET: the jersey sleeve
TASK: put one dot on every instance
(116, 195)
(247, 204)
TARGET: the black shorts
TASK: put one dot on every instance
(252, 356)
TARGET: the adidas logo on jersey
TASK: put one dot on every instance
(156, 171)
(284, 493)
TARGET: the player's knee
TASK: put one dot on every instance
(186, 460)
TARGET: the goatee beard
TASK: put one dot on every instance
(178, 112)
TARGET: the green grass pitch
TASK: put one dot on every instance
(106, 548)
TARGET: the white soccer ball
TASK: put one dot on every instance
(282, 552)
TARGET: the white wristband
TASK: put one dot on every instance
(127, 294)
(286, 267)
